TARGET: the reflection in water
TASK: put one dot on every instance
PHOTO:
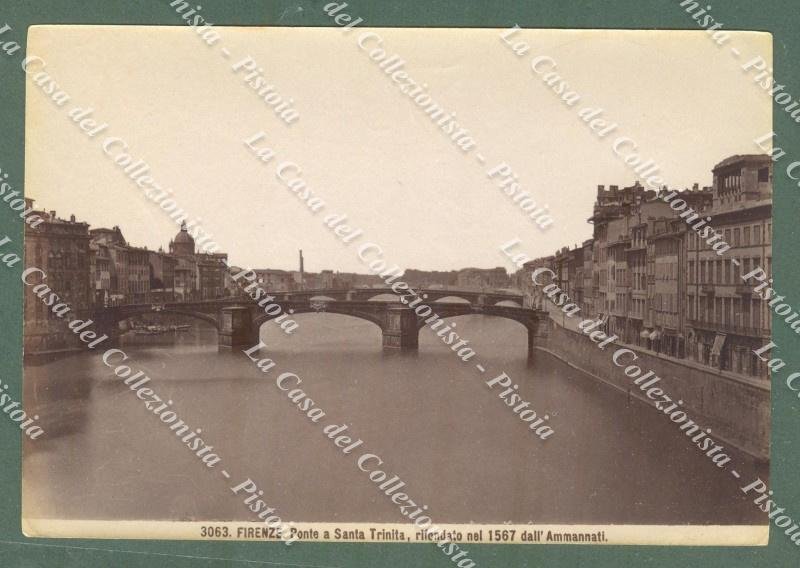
(428, 415)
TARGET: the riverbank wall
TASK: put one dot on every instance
(736, 408)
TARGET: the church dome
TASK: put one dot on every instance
(183, 237)
(183, 244)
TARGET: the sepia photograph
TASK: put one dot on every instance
(422, 285)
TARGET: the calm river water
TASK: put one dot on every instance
(429, 416)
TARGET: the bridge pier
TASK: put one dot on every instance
(537, 335)
(107, 326)
(236, 329)
(400, 329)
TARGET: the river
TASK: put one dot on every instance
(428, 415)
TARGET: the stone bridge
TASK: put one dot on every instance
(238, 320)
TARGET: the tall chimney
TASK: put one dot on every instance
(302, 272)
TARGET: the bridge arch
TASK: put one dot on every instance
(128, 314)
(451, 299)
(385, 296)
(533, 325)
(508, 304)
(262, 318)
(321, 298)
(371, 294)
(460, 310)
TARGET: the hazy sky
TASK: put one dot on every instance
(364, 147)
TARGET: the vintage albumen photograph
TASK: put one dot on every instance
(355, 284)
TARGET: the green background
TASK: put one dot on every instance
(781, 17)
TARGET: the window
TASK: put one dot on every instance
(756, 313)
(736, 235)
(763, 174)
(728, 236)
(746, 312)
(746, 236)
(757, 234)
